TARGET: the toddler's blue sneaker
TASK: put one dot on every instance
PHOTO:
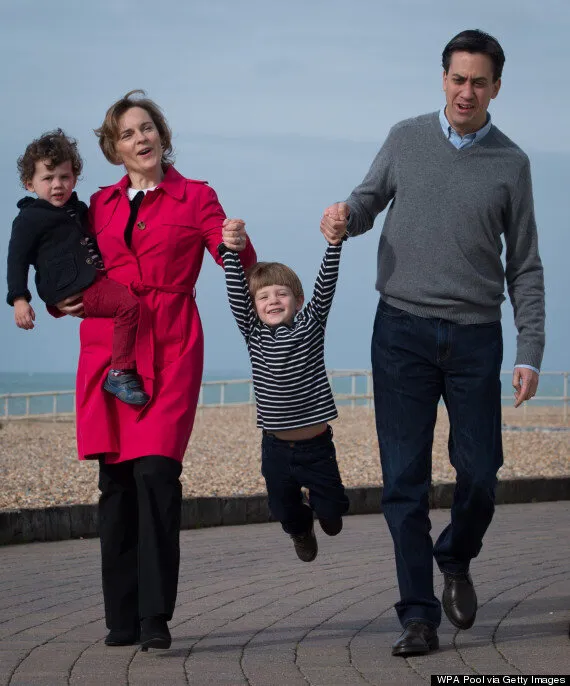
(126, 386)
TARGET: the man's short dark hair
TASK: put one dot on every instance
(473, 41)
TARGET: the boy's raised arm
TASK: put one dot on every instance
(238, 291)
(325, 285)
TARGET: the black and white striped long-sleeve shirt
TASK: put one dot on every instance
(287, 362)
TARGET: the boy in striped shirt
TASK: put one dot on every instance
(294, 399)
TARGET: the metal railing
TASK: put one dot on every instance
(54, 413)
(352, 387)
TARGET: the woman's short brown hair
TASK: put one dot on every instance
(108, 132)
(264, 274)
(53, 148)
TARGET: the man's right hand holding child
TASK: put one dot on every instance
(334, 222)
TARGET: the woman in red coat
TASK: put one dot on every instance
(156, 249)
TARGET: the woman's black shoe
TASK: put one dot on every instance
(155, 633)
(124, 637)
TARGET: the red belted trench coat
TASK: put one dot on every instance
(176, 222)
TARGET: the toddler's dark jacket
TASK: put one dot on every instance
(57, 242)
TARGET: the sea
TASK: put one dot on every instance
(551, 390)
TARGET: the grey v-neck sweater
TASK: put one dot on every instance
(440, 248)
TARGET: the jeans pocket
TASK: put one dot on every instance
(389, 311)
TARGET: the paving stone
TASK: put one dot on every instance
(249, 612)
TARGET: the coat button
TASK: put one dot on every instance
(89, 261)
(141, 226)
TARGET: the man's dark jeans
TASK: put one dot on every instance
(289, 465)
(415, 362)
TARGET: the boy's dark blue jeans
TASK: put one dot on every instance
(415, 362)
(289, 465)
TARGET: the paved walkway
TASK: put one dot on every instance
(250, 613)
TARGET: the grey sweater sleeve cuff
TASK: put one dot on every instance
(527, 366)
(349, 224)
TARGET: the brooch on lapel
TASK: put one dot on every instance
(141, 226)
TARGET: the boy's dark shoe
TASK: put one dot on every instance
(459, 600)
(331, 527)
(306, 545)
(124, 637)
(126, 387)
(155, 633)
(417, 638)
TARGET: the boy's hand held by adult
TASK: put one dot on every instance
(234, 235)
(334, 222)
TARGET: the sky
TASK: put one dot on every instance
(281, 107)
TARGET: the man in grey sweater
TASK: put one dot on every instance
(457, 187)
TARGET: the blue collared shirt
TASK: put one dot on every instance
(462, 141)
(467, 141)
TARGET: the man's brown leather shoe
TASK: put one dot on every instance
(459, 600)
(416, 639)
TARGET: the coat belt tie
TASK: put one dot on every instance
(144, 346)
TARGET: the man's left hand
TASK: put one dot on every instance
(525, 383)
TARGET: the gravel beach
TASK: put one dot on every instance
(39, 467)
